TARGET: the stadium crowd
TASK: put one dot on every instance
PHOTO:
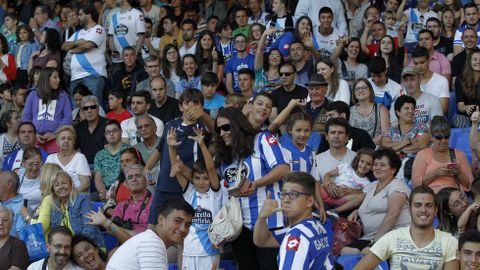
(136, 121)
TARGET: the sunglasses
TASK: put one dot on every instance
(93, 107)
(441, 137)
(285, 73)
(225, 128)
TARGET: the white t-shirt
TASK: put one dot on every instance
(427, 107)
(437, 86)
(154, 15)
(155, 41)
(183, 50)
(343, 92)
(143, 251)
(326, 44)
(38, 266)
(30, 190)
(399, 249)
(125, 27)
(391, 87)
(348, 178)
(416, 22)
(91, 62)
(77, 167)
(129, 129)
(325, 162)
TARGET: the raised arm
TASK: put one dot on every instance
(282, 116)
(172, 151)
(207, 157)
(475, 118)
(258, 64)
(262, 237)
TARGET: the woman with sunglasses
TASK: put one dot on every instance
(259, 157)
(440, 166)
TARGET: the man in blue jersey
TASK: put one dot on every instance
(304, 243)
(242, 59)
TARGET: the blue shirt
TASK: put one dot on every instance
(235, 64)
(14, 159)
(299, 160)
(15, 204)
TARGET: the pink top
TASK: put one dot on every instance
(438, 64)
(133, 210)
(425, 163)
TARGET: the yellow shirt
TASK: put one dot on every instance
(169, 39)
(44, 215)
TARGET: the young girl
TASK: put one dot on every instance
(23, 50)
(116, 103)
(343, 186)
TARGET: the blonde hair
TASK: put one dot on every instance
(47, 172)
(66, 128)
(73, 194)
(236, 100)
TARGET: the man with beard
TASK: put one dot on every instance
(188, 34)
(87, 47)
(59, 247)
(418, 246)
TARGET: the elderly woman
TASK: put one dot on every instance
(385, 204)
(65, 206)
(29, 175)
(13, 252)
(440, 166)
(451, 203)
(71, 161)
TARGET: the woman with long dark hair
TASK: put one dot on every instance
(394, 57)
(8, 69)
(48, 108)
(50, 55)
(190, 77)
(9, 122)
(267, 66)
(208, 57)
(258, 155)
(451, 203)
(171, 63)
(87, 254)
(467, 94)
(350, 54)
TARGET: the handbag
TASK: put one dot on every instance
(345, 232)
(239, 181)
(34, 238)
(227, 224)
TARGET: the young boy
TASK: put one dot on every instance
(236, 100)
(391, 23)
(193, 116)
(202, 191)
(213, 101)
(304, 243)
(471, 216)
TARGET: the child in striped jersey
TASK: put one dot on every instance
(343, 186)
(202, 190)
(296, 152)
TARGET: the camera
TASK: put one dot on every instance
(126, 224)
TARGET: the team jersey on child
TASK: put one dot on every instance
(267, 154)
(206, 206)
(299, 160)
(347, 177)
(304, 246)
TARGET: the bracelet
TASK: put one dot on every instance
(27, 219)
(114, 228)
(109, 225)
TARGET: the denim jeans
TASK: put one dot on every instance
(95, 84)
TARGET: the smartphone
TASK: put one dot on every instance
(451, 165)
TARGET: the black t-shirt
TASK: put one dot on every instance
(460, 95)
(14, 253)
(360, 139)
(90, 143)
(444, 46)
(126, 81)
(281, 98)
(167, 112)
(458, 62)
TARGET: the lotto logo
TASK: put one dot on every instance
(271, 140)
(293, 243)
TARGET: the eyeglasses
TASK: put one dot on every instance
(93, 107)
(285, 74)
(225, 128)
(292, 195)
(113, 131)
(358, 88)
(441, 136)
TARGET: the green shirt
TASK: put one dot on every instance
(108, 165)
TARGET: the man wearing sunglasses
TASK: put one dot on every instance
(91, 130)
(304, 243)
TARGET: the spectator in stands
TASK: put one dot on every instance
(437, 62)
(473, 140)
(149, 248)
(372, 33)
(449, 27)
(208, 57)
(325, 34)
(11, 199)
(87, 254)
(188, 35)
(431, 82)
(246, 82)
(412, 253)
(79, 92)
(385, 204)
(440, 166)
(9, 30)
(8, 71)
(366, 113)
(350, 55)
(29, 174)
(303, 66)
(417, 18)
(259, 110)
(9, 122)
(59, 247)
(71, 161)
(257, 15)
(42, 19)
(267, 65)
(172, 63)
(242, 59)
(466, 90)
(88, 46)
(19, 96)
(147, 132)
(441, 43)
(141, 101)
(235, 139)
(337, 88)
(91, 131)
(164, 106)
(452, 203)
(470, 217)
(471, 21)
(129, 74)
(469, 249)
(172, 34)
(14, 253)
(26, 138)
(153, 67)
(225, 42)
(298, 242)
(386, 89)
(190, 77)
(469, 39)
(394, 56)
(241, 22)
(65, 206)
(24, 48)
(48, 108)
(49, 56)
(311, 8)
(117, 102)
(126, 29)
(151, 40)
(427, 106)
(354, 13)
(107, 161)
(213, 100)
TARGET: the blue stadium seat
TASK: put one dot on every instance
(452, 106)
(110, 241)
(459, 139)
(349, 261)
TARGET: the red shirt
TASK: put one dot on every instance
(119, 116)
